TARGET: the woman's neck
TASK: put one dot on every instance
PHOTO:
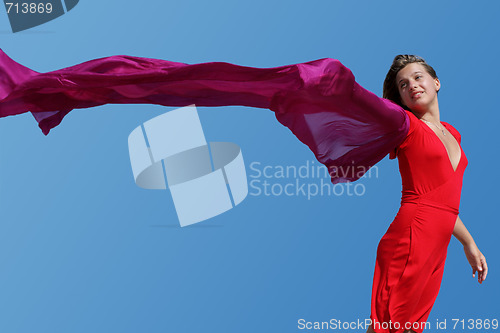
(430, 114)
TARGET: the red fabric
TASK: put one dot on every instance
(347, 127)
(411, 255)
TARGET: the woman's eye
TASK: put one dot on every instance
(418, 77)
(403, 85)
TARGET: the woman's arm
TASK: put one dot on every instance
(474, 256)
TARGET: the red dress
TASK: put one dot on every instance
(411, 255)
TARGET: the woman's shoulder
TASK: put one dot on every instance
(413, 118)
(413, 128)
(415, 123)
(453, 131)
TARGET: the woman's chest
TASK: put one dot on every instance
(432, 155)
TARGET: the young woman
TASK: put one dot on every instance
(411, 255)
(348, 128)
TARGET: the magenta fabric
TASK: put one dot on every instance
(348, 128)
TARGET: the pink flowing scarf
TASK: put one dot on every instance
(348, 128)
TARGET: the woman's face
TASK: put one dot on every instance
(417, 88)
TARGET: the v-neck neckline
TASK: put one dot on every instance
(444, 146)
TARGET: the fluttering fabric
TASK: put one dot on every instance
(348, 128)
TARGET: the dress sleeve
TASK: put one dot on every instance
(348, 128)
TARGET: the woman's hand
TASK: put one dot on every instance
(477, 261)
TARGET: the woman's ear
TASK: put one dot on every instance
(437, 83)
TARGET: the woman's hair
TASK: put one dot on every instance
(391, 91)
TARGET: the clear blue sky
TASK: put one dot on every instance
(83, 249)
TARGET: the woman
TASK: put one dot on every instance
(412, 253)
(342, 123)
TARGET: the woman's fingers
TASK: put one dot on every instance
(481, 268)
(485, 268)
(477, 261)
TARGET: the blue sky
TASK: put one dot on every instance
(83, 249)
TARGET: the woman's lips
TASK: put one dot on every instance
(416, 94)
